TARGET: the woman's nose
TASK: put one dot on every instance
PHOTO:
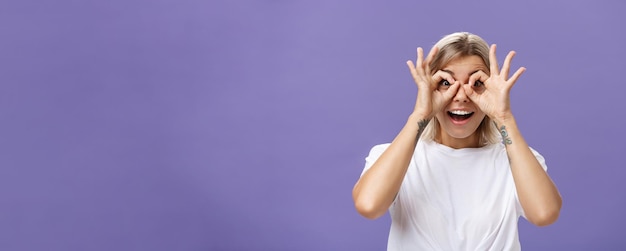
(460, 95)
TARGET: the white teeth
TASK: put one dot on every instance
(458, 112)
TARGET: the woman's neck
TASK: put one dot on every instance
(457, 143)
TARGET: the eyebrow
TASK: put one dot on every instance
(452, 73)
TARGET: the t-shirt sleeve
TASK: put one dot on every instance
(542, 162)
(540, 158)
(374, 154)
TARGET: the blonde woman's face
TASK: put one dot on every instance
(461, 118)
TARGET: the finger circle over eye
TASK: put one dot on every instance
(472, 79)
(443, 75)
(437, 78)
(478, 76)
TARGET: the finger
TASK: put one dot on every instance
(420, 57)
(431, 55)
(441, 75)
(516, 75)
(470, 93)
(451, 92)
(493, 64)
(411, 66)
(479, 75)
(507, 64)
(473, 79)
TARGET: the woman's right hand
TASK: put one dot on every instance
(433, 92)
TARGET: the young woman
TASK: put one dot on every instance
(459, 174)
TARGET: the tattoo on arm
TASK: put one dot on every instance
(421, 126)
(505, 135)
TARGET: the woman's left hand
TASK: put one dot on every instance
(491, 93)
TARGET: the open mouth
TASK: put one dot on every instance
(458, 115)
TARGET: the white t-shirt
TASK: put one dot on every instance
(455, 199)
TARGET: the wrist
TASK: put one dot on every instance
(417, 116)
(418, 123)
(503, 118)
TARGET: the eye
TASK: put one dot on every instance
(478, 83)
(444, 83)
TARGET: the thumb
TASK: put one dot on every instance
(448, 94)
(470, 92)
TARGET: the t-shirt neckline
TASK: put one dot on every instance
(450, 150)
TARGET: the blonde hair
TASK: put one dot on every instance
(453, 46)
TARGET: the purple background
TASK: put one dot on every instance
(243, 125)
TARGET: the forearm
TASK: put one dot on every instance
(377, 188)
(537, 193)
